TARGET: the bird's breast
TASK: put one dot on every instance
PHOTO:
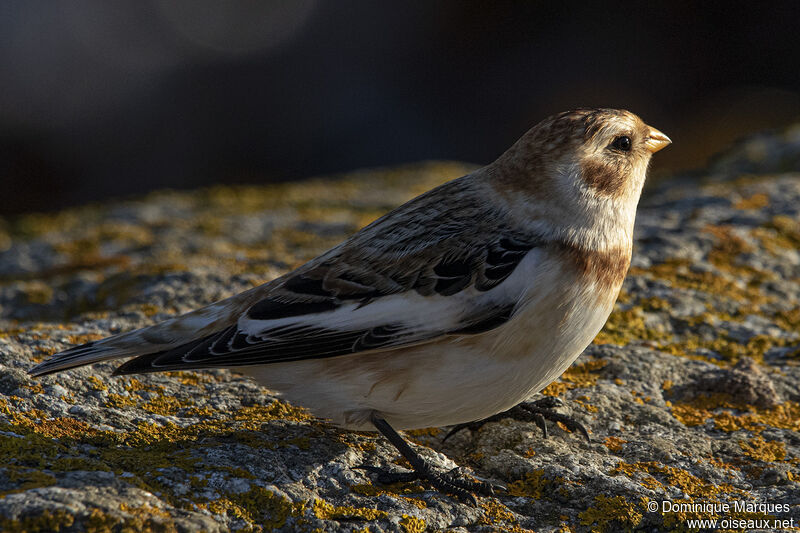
(561, 313)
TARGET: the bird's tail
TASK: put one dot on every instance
(123, 345)
(172, 333)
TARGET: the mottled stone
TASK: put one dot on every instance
(689, 393)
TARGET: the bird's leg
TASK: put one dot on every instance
(446, 482)
(537, 411)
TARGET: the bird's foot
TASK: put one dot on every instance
(537, 411)
(452, 482)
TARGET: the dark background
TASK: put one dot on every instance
(109, 98)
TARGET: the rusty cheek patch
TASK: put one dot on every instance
(607, 179)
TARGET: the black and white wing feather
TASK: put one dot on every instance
(439, 265)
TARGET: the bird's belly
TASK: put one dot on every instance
(456, 380)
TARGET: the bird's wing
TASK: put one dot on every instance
(443, 264)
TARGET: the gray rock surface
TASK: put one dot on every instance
(690, 393)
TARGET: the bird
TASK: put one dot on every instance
(451, 309)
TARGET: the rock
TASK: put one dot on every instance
(690, 392)
(745, 383)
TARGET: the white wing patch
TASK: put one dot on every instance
(387, 322)
(422, 314)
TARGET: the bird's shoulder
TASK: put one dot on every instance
(441, 242)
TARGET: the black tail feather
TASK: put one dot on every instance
(67, 359)
(165, 360)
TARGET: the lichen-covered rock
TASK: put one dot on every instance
(690, 392)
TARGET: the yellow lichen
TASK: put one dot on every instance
(557, 388)
(614, 444)
(531, 486)
(163, 405)
(680, 274)
(83, 339)
(192, 379)
(118, 401)
(654, 304)
(133, 385)
(583, 375)
(412, 524)
(756, 201)
(54, 428)
(672, 476)
(625, 325)
(729, 415)
(100, 522)
(689, 415)
(729, 349)
(326, 511)
(761, 450)
(610, 514)
(199, 412)
(144, 518)
(33, 387)
(46, 522)
(96, 384)
(50, 443)
(589, 407)
(788, 320)
(26, 478)
(787, 228)
(499, 518)
(395, 490)
(258, 507)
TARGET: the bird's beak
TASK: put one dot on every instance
(656, 140)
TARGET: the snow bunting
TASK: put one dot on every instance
(454, 307)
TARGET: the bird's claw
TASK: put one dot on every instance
(451, 482)
(538, 412)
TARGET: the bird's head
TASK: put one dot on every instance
(612, 150)
(586, 166)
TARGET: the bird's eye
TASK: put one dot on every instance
(623, 142)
